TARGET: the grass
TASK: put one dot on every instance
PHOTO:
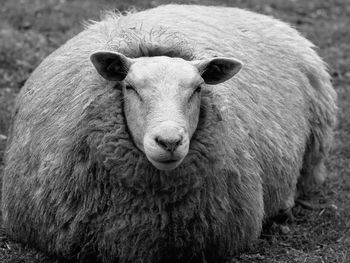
(30, 30)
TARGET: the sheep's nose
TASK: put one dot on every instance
(169, 144)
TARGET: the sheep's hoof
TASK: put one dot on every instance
(277, 223)
(284, 216)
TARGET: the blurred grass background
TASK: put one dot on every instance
(31, 29)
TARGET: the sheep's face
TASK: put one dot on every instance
(162, 97)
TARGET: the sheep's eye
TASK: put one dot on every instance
(198, 89)
(130, 88)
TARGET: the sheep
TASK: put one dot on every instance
(166, 135)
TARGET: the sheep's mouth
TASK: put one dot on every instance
(166, 164)
(169, 161)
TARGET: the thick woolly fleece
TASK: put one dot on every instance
(76, 186)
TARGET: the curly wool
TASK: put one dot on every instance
(76, 186)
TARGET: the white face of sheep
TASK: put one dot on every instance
(162, 97)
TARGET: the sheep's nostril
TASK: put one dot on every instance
(169, 145)
(161, 142)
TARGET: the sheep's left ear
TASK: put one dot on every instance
(217, 70)
(111, 65)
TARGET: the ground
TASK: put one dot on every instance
(320, 232)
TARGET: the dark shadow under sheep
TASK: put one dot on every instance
(99, 167)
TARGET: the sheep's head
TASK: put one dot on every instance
(162, 97)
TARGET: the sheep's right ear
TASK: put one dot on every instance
(218, 69)
(111, 65)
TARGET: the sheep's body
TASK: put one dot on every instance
(76, 186)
